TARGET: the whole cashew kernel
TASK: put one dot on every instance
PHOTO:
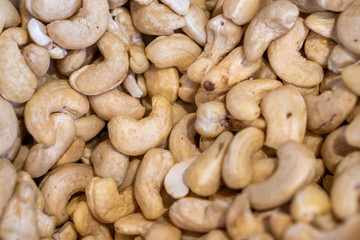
(73, 153)
(37, 58)
(210, 119)
(8, 127)
(318, 48)
(323, 23)
(307, 6)
(187, 89)
(87, 127)
(9, 17)
(195, 27)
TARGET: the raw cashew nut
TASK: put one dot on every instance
(237, 167)
(9, 17)
(66, 232)
(41, 157)
(318, 48)
(289, 123)
(7, 182)
(210, 119)
(323, 23)
(295, 169)
(180, 7)
(271, 22)
(307, 6)
(176, 50)
(243, 99)
(352, 132)
(87, 127)
(74, 60)
(215, 235)
(60, 184)
(284, 50)
(279, 222)
(187, 89)
(196, 20)
(198, 215)
(133, 138)
(334, 5)
(51, 97)
(340, 58)
(8, 127)
(37, 58)
(73, 153)
(105, 202)
(130, 177)
(265, 71)
(132, 86)
(150, 179)
(84, 29)
(349, 76)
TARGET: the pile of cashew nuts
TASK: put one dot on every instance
(180, 119)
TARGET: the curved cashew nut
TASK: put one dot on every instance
(295, 169)
(83, 30)
(318, 48)
(301, 72)
(323, 23)
(236, 166)
(271, 22)
(73, 153)
(155, 18)
(263, 168)
(222, 36)
(7, 182)
(60, 184)
(74, 60)
(37, 58)
(195, 27)
(265, 71)
(88, 127)
(133, 138)
(176, 50)
(9, 16)
(150, 179)
(41, 157)
(348, 75)
(66, 231)
(242, 101)
(8, 127)
(198, 215)
(290, 120)
(106, 203)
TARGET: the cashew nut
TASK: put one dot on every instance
(318, 48)
(8, 127)
(195, 27)
(340, 58)
(37, 58)
(9, 17)
(7, 182)
(87, 127)
(323, 23)
(349, 76)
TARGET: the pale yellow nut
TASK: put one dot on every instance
(8, 127)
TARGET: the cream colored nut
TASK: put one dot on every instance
(217, 9)
(72, 61)
(142, 84)
(290, 120)
(120, 103)
(243, 99)
(222, 36)
(318, 48)
(278, 223)
(8, 127)
(11, 154)
(20, 158)
(73, 153)
(60, 184)
(86, 225)
(41, 157)
(180, 7)
(130, 174)
(265, 71)
(354, 112)
(179, 111)
(349, 76)
(330, 79)
(155, 18)
(240, 222)
(105, 202)
(38, 33)
(7, 182)
(305, 90)
(182, 139)
(55, 52)
(203, 96)
(307, 6)
(323, 23)
(198, 215)
(195, 27)
(133, 138)
(131, 85)
(210, 119)
(236, 166)
(314, 142)
(24, 14)
(215, 235)
(66, 232)
(143, 2)
(270, 23)
(46, 225)
(113, 69)
(242, 12)
(234, 68)
(352, 132)
(187, 89)
(51, 97)
(295, 169)
(262, 169)
(334, 5)
(347, 32)
(9, 17)
(150, 179)
(17, 81)
(340, 58)
(116, 3)
(349, 160)
(309, 202)
(204, 175)
(319, 170)
(109, 163)
(328, 110)
(88, 127)
(48, 11)
(84, 29)
(37, 58)
(162, 81)
(286, 49)
(176, 50)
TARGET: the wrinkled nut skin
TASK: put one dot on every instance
(150, 179)
(60, 184)
(85, 29)
(271, 22)
(133, 137)
(37, 58)
(98, 78)
(8, 126)
(8, 179)
(9, 17)
(54, 96)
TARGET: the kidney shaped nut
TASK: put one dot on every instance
(295, 169)
(8, 127)
(17, 81)
(237, 166)
(150, 179)
(348, 33)
(109, 163)
(87, 127)
(198, 215)
(155, 18)
(53, 96)
(7, 182)
(222, 36)
(323, 23)
(106, 203)
(9, 17)
(41, 157)
(328, 110)
(176, 50)
(284, 50)
(318, 48)
(37, 58)
(243, 99)
(196, 21)
(133, 137)
(73, 153)
(204, 174)
(60, 184)
(289, 123)
(84, 29)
